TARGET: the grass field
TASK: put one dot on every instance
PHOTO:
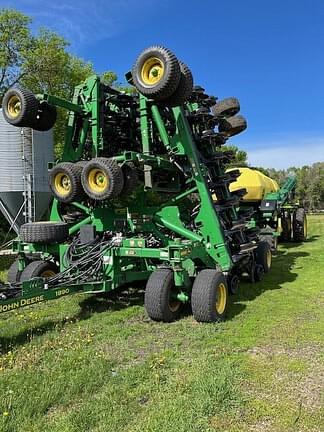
(91, 364)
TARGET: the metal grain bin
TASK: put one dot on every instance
(24, 157)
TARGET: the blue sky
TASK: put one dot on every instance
(269, 54)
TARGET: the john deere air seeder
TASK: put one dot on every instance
(273, 208)
(133, 196)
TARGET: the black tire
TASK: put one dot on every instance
(286, 226)
(20, 107)
(130, 178)
(232, 125)
(46, 117)
(184, 89)
(65, 181)
(102, 178)
(38, 268)
(233, 284)
(271, 240)
(263, 256)
(142, 72)
(44, 232)
(299, 225)
(158, 295)
(81, 163)
(258, 273)
(226, 108)
(209, 297)
(14, 273)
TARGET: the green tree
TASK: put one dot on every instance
(15, 42)
(240, 156)
(50, 68)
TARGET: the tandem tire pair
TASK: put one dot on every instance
(209, 294)
(98, 179)
(34, 268)
(294, 226)
(159, 75)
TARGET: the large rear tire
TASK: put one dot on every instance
(46, 117)
(20, 107)
(14, 273)
(209, 297)
(299, 225)
(263, 256)
(226, 108)
(156, 73)
(184, 89)
(44, 232)
(45, 269)
(232, 125)
(65, 181)
(159, 304)
(286, 226)
(102, 178)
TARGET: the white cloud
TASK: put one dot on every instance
(84, 21)
(283, 150)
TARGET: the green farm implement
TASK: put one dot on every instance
(133, 196)
(273, 209)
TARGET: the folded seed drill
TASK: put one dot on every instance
(133, 196)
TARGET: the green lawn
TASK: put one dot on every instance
(90, 364)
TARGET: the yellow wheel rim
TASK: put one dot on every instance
(221, 298)
(269, 258)
(14, 106)
(152, 71)
(62, 184)
(98, 180)
(47, 273)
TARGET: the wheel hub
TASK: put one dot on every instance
(152, 71)
(62, 184)
(14, 106)
(98, 180)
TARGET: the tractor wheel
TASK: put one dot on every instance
(286, 227)
(233, 284)
(81, 163)
(102, 178)
(156, 73)
(258, 273)
(299, 225)
(184, 89)
(263, 256)
(20, 107)
(232, 125)
(271, 240)
(65, 181)
(226, 108)
(45, 269)
(209, 297)
(46, 117)
(44, 232)
(159, 304)
(14, 273)
(130, 178)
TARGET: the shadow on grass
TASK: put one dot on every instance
(114, 301)
(282, 271)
